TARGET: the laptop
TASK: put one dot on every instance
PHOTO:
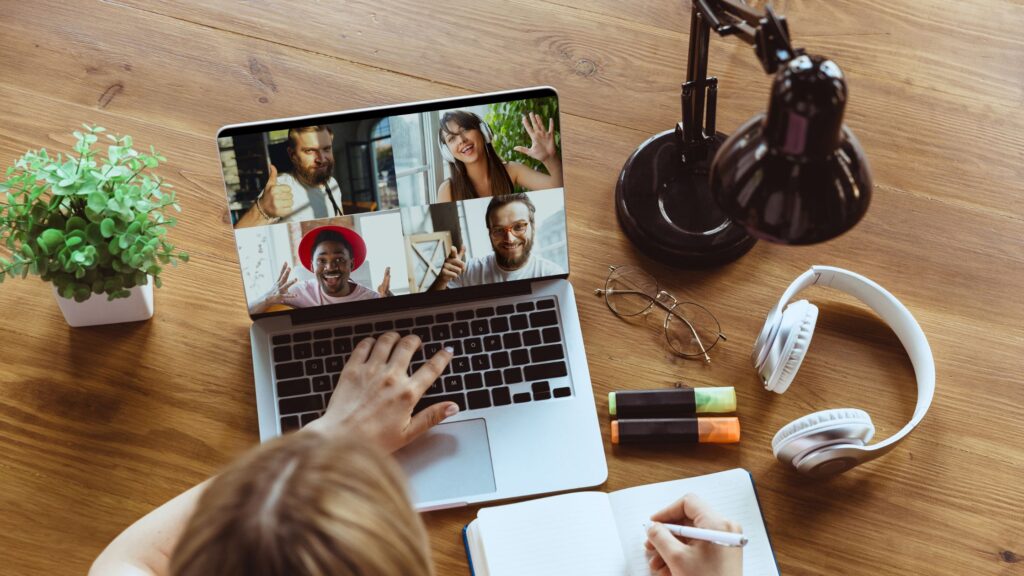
(352, 224)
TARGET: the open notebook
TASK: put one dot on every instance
(601, 534)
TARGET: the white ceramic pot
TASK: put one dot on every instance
(98, 310)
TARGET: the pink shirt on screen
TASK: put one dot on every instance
(308, 294)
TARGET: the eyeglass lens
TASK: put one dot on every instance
(629, 290)
(682, 338)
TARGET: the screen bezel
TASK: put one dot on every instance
(422, 299)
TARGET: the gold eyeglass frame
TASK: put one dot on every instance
(668, 303)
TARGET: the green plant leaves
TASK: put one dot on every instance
(107, 227)
(50, 239)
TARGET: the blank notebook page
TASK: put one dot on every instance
(730, 494)
(566, 534)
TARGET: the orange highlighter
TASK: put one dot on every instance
(711, 430)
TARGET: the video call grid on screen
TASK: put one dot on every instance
(390, 180)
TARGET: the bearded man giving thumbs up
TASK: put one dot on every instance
(309, 191)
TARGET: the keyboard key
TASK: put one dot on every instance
(460, 329)
(545, 371)
(501, 396)
(472, 345)
(551, 335)
(499, 324)
(479, 399)
(302, 337)
(299, 404)
(289, 423)
(288, 370)
(459, 398)
(314, 367)
(464, 315)
(511, 340)
(322, 348)
(500, 359)
(335, 364)
(513, 375)
(460, 364)
(415, 366)
(307, 418)
(302, 351)
(343, 346)
(431, 348)
(506, 309)
(322, 384)
(444, 317)
(492, 343)
(520, 357)
(521, 397)
(384, 326)
(546, 353)
(364, 328)
(404, 323)
(436, 388)
(545, 304)
(531, 337)
(542, 395)
(481, 362)
(541, 386)
(282, 353)
(524, 307)
(473, 380)
(343, 331)
(546, 318)
(480, 327)
(424, 320)
(562, 392)
(452, 383)
(321, 334)
(519, 322)
(281, 339)
(484, 312)
(418, 356)
(296, 387)
(493, 378)
(423, 332)
(455, 345)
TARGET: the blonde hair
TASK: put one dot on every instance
(305, 504)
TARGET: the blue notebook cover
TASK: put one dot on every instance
(465, 544)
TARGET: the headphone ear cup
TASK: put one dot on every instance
(820, 429)
(447, 154)
(794, 338)
(486, 131)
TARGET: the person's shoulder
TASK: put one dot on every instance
(546, 267)
(444, 191)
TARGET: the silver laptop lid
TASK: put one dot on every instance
(400, 206)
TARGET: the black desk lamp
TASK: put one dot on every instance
(796, 175)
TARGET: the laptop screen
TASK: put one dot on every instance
(390, 203)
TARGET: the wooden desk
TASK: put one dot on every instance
(100, 425)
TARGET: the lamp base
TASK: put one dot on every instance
(665, 207)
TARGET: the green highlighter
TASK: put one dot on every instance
(671, 403)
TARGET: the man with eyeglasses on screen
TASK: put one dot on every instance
(511, 226)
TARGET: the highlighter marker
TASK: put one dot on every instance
(711, 430)
(671, 402)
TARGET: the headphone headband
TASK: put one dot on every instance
(895, 315)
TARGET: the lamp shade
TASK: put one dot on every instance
(796, 175)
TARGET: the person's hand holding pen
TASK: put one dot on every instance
(674, 557)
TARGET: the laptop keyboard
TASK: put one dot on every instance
(504, 355)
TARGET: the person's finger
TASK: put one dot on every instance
(384, 347)
(431, 370)
(289, 284)
(272, 179)
(538, 124)
(656, 562)
(462, 252)
(690, 507)
(283, 274)
(665, 543)
(288, 296)
(428, 418)
(403, 351)
(527, 126)
(522, 150)
(361, 351)
(452, 253)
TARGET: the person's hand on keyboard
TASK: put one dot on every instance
(375, 394)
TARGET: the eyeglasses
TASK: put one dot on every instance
(690, 329)
(519, 229)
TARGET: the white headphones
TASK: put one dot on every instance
(484, 129)
(833, 441)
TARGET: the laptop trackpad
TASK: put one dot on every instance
(451, 461)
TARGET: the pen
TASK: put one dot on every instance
(731, 539)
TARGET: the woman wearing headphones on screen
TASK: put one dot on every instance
(478, 171)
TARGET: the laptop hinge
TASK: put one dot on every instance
(378, 306)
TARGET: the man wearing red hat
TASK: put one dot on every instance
(332, 253)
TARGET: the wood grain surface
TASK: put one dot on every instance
(100, 425)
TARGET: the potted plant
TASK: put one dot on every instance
(91, 225)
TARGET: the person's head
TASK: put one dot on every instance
(331, 255)
(312, 154)
(305, 504)
(461, 133)
(511, 226)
